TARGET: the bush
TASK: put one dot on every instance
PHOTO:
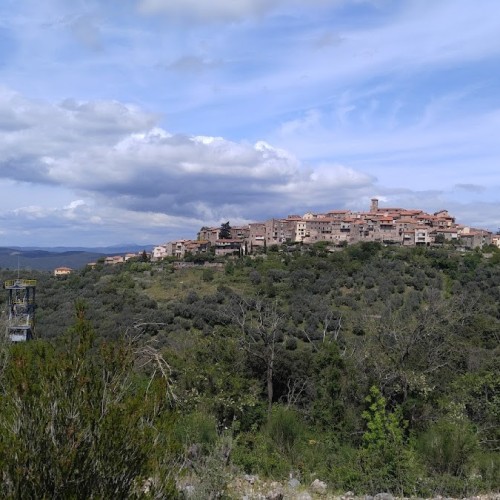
(256, 453)
(486, 466)
(386, 459)
(207, 275)
(273, 451)
(197, 428)
(285, 428)
(77, 425)
(255, 277)
(447, 447)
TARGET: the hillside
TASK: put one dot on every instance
(371, 368)
(47, 259)
(44, 260)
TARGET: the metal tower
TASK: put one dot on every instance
(21, 307)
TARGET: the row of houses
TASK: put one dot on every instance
(108, 261)
(390, 226)
(180, 248)
(112, 260)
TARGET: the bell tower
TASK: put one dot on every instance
(374, 205)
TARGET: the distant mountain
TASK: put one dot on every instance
(44, 260)
(110, 250)
(47, 259)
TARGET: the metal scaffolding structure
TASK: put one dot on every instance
(21, 309)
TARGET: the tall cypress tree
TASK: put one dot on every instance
(225, 231)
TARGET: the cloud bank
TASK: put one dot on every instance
(115, 157)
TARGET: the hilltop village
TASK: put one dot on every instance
(389, 226)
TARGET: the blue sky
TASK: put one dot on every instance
(142, 120)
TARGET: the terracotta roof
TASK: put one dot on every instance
(320, 221)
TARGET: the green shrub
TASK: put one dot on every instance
(387, 460)
(486, 467)
(285, 428)
(197, 428)
(256, 453)
(272, 451)
(447, 447)
(207, 275)
(73, 425)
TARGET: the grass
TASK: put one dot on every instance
(167, 287)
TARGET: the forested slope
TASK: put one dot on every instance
(374, 369)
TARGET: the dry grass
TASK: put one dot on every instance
(174, 286)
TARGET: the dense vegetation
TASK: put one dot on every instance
(375, 369)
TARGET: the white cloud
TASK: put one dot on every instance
(29, 212)
(75, 204)
(222, 10)
(309, 121)
(438, 148)
(192, 64)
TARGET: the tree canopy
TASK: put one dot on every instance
(225, 231)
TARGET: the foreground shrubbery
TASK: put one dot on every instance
(78, 421)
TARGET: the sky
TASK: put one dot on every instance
(139, 121)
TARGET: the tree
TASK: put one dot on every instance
(439, 239)
(386, 460)
(329, 370)
(225, 231)
(260, 324)
(411, 350)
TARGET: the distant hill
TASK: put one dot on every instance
(44, 260)
(47, 259)
(110, 250)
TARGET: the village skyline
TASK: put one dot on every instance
(337, 228)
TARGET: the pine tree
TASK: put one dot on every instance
(225, 231)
